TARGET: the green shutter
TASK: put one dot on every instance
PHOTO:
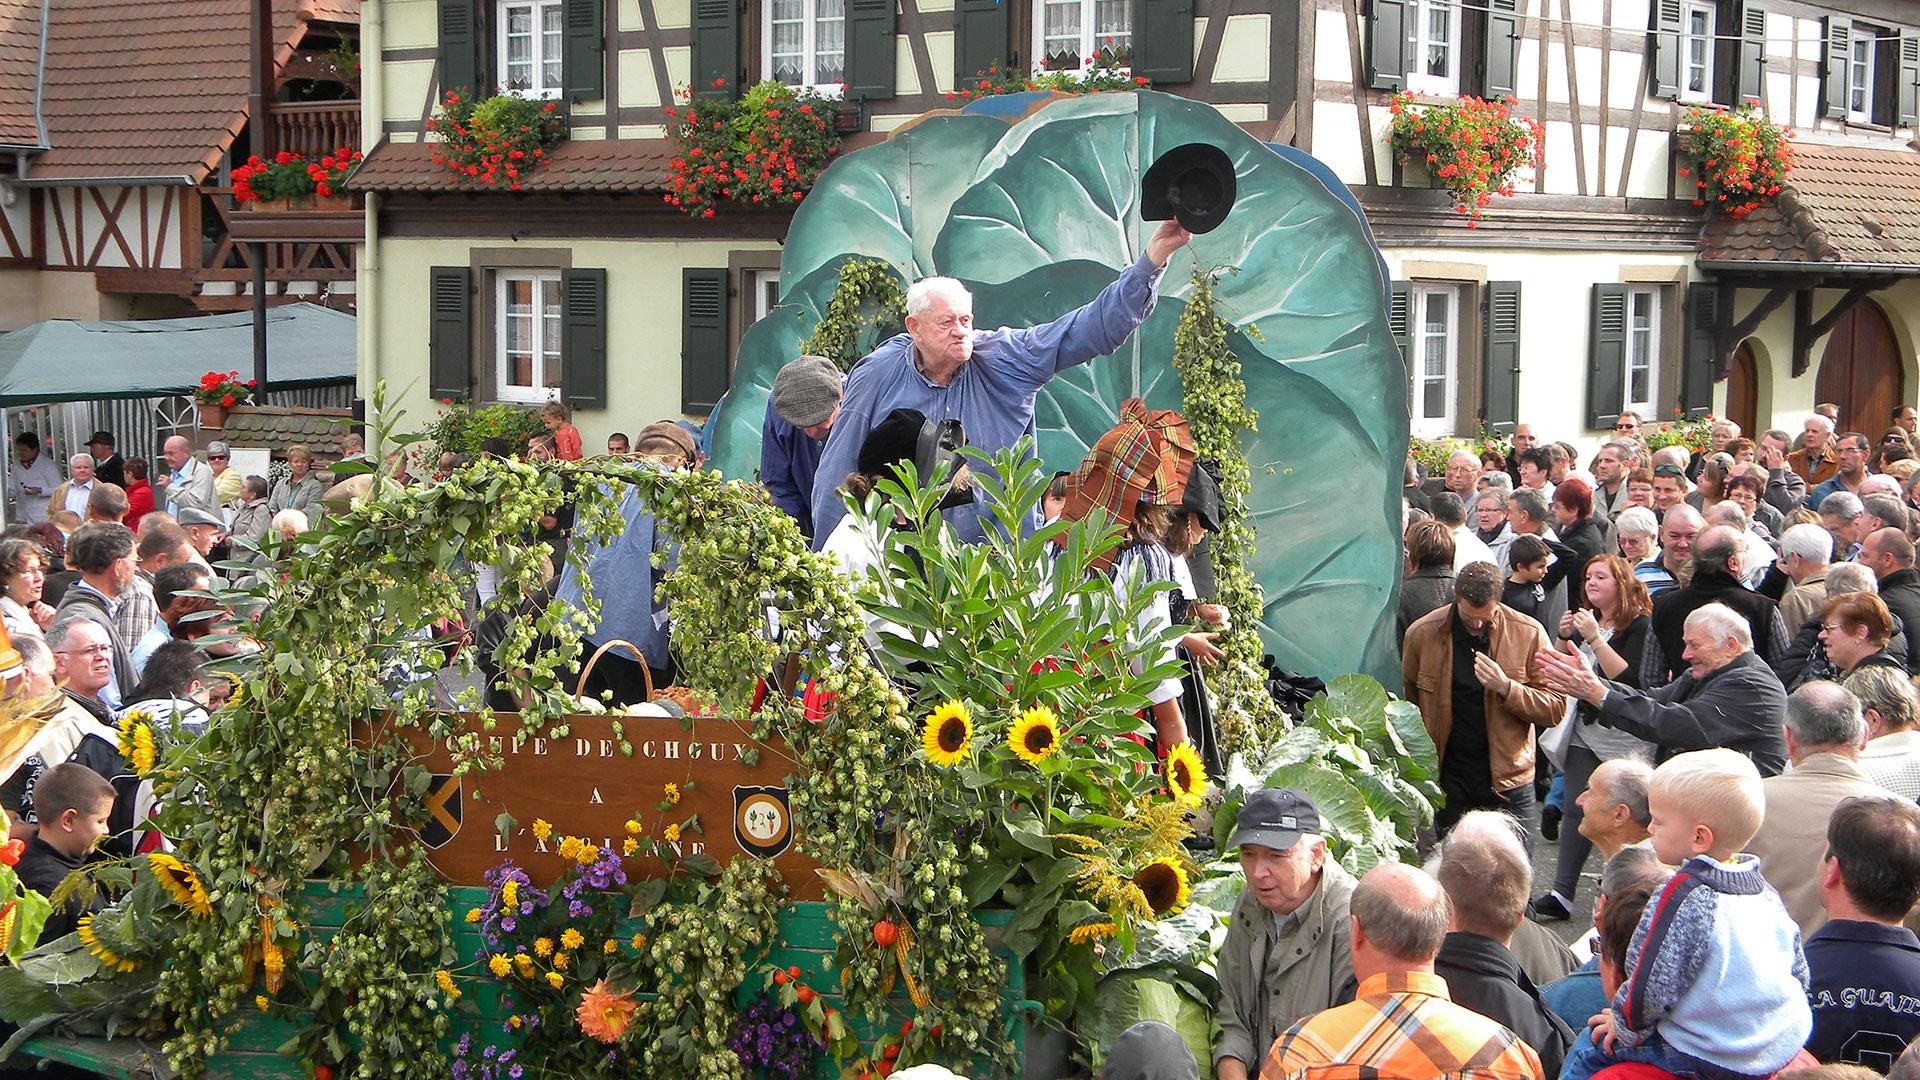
(1400, 321)
(462, 48)
(450, 332)
(870, 37)
(716, 49)
(1907, 89)
(1502, 49)
(583, 59)
(1606, 356)
(1669, 19)
(1698, 362)
(1751, 74)
(1163, 40)
(703, 338)
(1500, 398)
(583, 338)
(1387, 45)
(981, 30)
(1833, 72)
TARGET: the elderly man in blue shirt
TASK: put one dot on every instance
(801, 409)
(986, 379)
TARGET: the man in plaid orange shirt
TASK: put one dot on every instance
(1401, 1026)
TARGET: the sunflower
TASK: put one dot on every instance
(107, 957)
(603, 1014)
(1164, 883)
(1186, 776)
(180, 882)
(948, 733)
(1036, 735)
(1094, 931)
(136, 740)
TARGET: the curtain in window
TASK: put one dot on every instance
(519, 47)
(1113, 28)
(788, 26)
(829, 42)
(550, 47)
(1060, 34)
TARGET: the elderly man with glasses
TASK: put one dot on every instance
(1850, 469)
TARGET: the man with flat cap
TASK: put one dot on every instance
(1287, 954)
(801, 409)
(108, 465)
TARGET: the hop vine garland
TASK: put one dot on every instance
(867, 306)
(1214, 400)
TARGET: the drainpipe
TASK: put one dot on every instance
(367, 297)
(260, 132)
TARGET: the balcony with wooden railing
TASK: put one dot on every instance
(314, 129)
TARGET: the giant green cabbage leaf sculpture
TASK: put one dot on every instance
(1036, 214)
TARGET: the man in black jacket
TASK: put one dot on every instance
(1889, 554)
(1728, 696)
(1485, 874)
(108, 465)
(1718, 565)
(104, 554)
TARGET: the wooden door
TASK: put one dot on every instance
(1861, 371)
(1743, 391)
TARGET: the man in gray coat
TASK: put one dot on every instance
(1287, 953)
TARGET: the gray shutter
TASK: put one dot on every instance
(1387, 45)
(1751, 72)
(1502, 49)
(1500, 401)
(1400, 320)
(1606, 355)
(703, 338)
(716, 49)
(1907, 89)
(1669, 18)
(583, 338)
(462, 59)
(1833, 69)
(1697, 364)
(583, 57)
(870, 49)
(1163, 40)
(981, 40)
(450, 333)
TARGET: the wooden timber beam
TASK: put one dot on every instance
(1807, 329)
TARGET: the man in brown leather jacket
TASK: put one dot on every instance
(1468, 666)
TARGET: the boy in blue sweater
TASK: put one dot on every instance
(1716, 984)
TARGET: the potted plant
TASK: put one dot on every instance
(292, 182)
(498, 140)
(1742, 158)
(1473, 147)
(218, 393)
(765, 149)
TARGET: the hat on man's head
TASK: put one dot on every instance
(1275, 818)
(672, 432)
(217, 448)
(193, 515)
(1193, 184)
(806, 391)
(100, 438)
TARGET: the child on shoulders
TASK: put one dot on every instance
(72, 803)
(566, 437)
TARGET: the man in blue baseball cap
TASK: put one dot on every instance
(1287, 953)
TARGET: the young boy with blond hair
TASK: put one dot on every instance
(1716, 983)
(566, 437)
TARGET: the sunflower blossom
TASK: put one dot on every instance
(947, 734)
(180, 882)
(1080, 935)
(1186, 776)
(1036, 735)
(1164, 884)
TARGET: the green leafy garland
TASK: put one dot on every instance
(866, 307)
(1214, 401)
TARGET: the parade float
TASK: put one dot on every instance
(812, 860)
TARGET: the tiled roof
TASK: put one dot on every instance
(276, 428)
(1841, 204)
(153, 88)
(607, 165)
(19, 71)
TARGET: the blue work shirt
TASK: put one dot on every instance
(1864, 986)
(992, 394)
(788, 462)
(623, 579)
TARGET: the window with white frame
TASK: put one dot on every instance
(1434, 350)
(526, 336)
(1072, 35)
(1434, 40)
(806, 43)
(1860, 62)
(529, 47)
(766, 292)
(1696, 52)
(1642, 381)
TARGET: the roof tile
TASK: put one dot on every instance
(19, 71)
(1841, 204)
(604, 165)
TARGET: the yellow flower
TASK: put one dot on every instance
(260, 1002)
(273, 960)
(609, 947)
(571, 938)
(523, 964)
(560, 961)
(542, 829)
(586, 855)
(1186, 776)
(634, 828)
(136, 740)
(180, 882)
(499, 965)
(513, 1022)
(671, 834)
(107, 957)
(672, 793)
(444, 980)
(629, 846)
(1036, 735)
(543, 947)
(510, 893)
(947, 733)
(639, 942)
(556, 980)
(569, 847)
(1080, 935)
(1164, 883)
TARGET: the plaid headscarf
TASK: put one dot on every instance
(1146, 457)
